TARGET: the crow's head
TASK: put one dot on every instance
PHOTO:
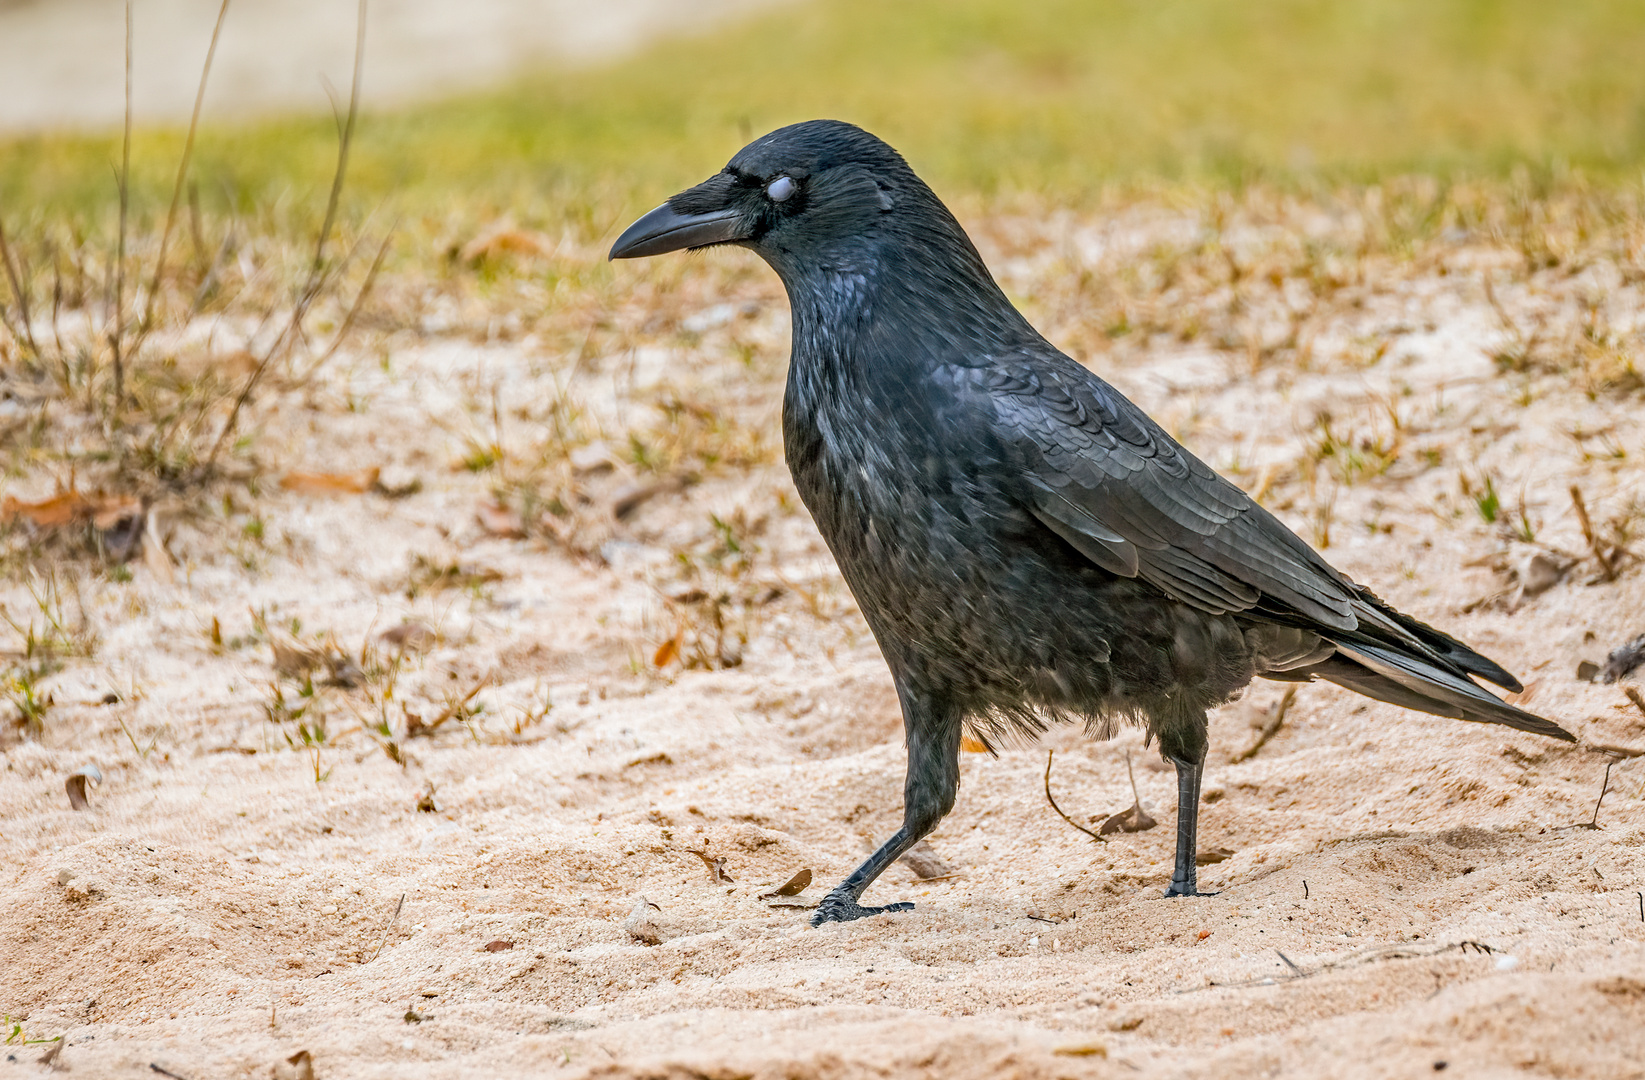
(803, 189)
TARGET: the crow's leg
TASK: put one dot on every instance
(933, 730)
(1186, 749)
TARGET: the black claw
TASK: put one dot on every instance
(1176, 890)
(842, 908)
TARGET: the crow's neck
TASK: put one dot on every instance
(867, 311)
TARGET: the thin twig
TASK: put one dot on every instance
(117, 333)
(1603, 788)
(392, 919)
(317, 277)
(1395, 951)
(14, 276)
(1269, 730)
(177, 189)
(451, 709)
(1049, 754)
(353, 311)
(1607, 570)
(347, 138)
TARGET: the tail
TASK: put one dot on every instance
(1394, 658)
(1412, 682)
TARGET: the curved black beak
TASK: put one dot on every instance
(696, 218)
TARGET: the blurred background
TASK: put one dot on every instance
(505, 100)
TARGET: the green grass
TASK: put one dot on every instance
(984, 96)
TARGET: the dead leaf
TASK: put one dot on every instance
(716, 868)
(1586, 670)
(632, 497)
(668, 651)
(308, 483)
(499, 520)
(595, 457)
(1135, 819)
(294, 660)
(505, 238)
(413, 637)
(71, 507)
(640, 924)
(344, 671)
(973, 745)
(299, 1066)
(1096, 1050)
(926, 863)
(800, 902)
(1212, 856)
(412, 1016)
(498, 946)
(794, 887)
(76, 785)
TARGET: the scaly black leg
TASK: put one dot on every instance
(1186, 747)
(933, 731)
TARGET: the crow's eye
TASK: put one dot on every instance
(781, 188)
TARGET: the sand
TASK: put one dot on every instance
(1400, 895)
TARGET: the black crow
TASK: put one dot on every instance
(1026, 544)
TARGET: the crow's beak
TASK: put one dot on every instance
(679, 223)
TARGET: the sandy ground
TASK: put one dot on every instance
(1400, 894)
(62, 62)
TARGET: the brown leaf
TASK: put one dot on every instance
(668, 651)
(76, 785)
(71, 507)
(716, 868)
(309, 483)
(926, 863)
(795, 886)
(1096, 1050)
(499, 945)
(973, 745)
(632, 496)
(499, 520)
(410, 637)
(1211, 856)
(294, 661)
(1135, 819)
(299, 1066)
(505, 238)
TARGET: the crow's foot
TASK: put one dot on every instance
(1185, 890)
(841, 906)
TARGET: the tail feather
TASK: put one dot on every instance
(1402, 679)
(1442, 644)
